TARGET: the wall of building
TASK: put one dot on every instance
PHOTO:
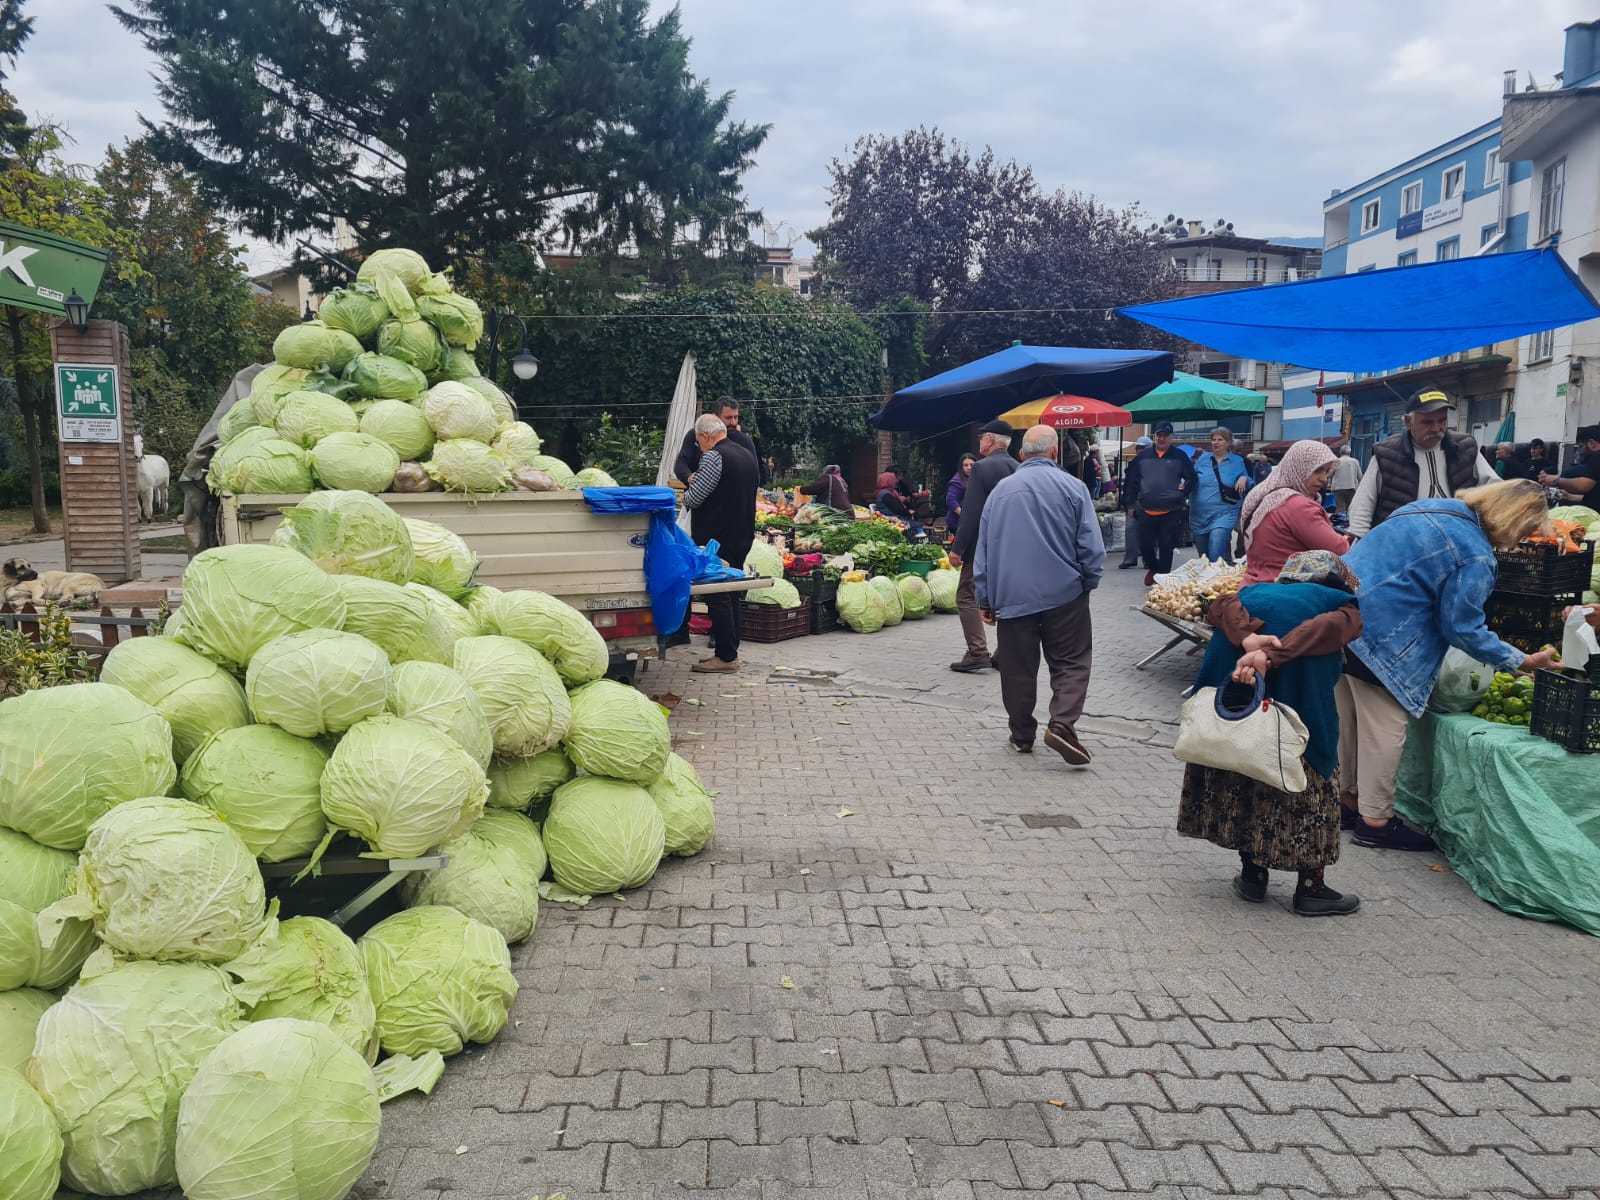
(1303, 417)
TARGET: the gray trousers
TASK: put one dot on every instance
(1066, 638)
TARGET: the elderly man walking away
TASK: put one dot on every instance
(994, 465)
(722, 508)
(1346, 479)
(1039, 556)
(1424, 462)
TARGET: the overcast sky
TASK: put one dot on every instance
(1251, 111)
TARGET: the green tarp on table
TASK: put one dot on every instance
(1518, 817)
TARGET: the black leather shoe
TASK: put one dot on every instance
(1246, 888)
(1323, 901)
(1394, 835)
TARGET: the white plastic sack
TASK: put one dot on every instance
(1462, 684)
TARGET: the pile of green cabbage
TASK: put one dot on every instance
(382, 380)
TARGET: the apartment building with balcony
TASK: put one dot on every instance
(1219, 260)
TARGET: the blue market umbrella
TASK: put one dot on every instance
(983, 389)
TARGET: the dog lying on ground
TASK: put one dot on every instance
(24, 585)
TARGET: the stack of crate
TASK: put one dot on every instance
(1535, 583)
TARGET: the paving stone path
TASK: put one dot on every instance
(998, 977)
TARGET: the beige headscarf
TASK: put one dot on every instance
(1288, 478)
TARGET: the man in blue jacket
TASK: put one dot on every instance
(1161, 482)
(1039, 556)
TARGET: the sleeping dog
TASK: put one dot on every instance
(70, 589)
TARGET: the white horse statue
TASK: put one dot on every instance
(154, 478)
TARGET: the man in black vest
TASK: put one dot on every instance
(726, 410)
(1425, 462)
(722, 508)
(994, 464)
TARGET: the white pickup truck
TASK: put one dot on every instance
(551, 541)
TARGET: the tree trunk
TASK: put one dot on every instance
(29, 407)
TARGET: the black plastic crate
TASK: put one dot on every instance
(1539, 570)
(769, 623)
(1566, 710)
(1530, 623)
(816, 584)
(824, 615)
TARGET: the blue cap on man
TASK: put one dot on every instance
(1164, 427)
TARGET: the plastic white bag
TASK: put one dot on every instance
(1462, 684)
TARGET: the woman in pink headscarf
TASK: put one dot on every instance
(1283, 515)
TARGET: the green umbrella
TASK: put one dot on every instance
(1191, 398)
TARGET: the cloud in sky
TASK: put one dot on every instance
(1249, 110)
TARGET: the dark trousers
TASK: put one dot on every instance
(1066, 638)
(1158, 537)
(1130, 540)
(726, 610)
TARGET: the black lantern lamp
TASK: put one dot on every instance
(524, 366)
(78, 312)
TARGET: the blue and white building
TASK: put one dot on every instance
(1529, 178)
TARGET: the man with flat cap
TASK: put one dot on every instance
(1425, 461)
(994, 464)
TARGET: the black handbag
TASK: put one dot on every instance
(1229, 496)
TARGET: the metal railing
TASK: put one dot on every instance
(1271, 275)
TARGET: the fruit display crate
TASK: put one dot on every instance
(769, 623)
(824, 616)
(1543, 571)
(816, 584)
(1530, 623)
(1566, 710)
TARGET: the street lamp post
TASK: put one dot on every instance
(524, 366)
(77, 311)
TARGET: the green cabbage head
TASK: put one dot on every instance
(401, 786)
(478, 600)
(553, 467)
(271, 384)
(521, 693)
(266, 784)
(685, 807)
(400, 426)
(505, 411)
(313, 972)
(311, 344)
(458, 622)
(358, 310)
(437, 696)
(236, 599)
(619, 732)
(197, 697)
(458, 365)
(860, 607)
(407, 267)
(455, 410)
(316, 682)
(590, 477)
(168, 880)
(518, 444)
(942, 584)
(894, 609)
(112, 1060)
(357, 461)
(458, 318)
(305, 418)
(263, 465)
(236, 420)
(566, 638)
(492, 876)
(281, 1110)
(765, 561)
(20, 1011)
(466, 465)
(32, 878)
(379, 377)
(400, 621)
(416, 342)
(916, 598)
(348, 533)
(782, 594)
(68, 754)
(603, 835)
(439, 978)
(443, 561)
(30, 1168)
(518, 783)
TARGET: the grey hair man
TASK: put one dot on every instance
(994, 464)
(1425, 461)
(1039, 556)
(722, 509)
(1346, 478)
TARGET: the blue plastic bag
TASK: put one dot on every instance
(672, 565)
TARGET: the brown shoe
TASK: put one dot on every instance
(1065, 743)
(968, 665)
(714, 666)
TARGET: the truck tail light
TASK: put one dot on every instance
(615, 624)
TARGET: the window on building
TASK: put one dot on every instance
(1255, 269)
(1183, 266)
(1487, 234)
(1209, 268)
(1447, 250)
(1408, 259)
(1411, 198)
(805, 286)
(1365, 269)
(1491, 169)
(1542, 346)
(1483, 410)
(1221, 368)
(1371, 212)
(1455, 182)
(1551, 185)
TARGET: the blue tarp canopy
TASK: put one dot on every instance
(996, 383)
(1379, 320)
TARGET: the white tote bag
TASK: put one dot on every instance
(1263, 740)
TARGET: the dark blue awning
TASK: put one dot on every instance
(1379, 320)
(983, 389)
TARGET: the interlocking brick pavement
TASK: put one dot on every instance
(982, 1008)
